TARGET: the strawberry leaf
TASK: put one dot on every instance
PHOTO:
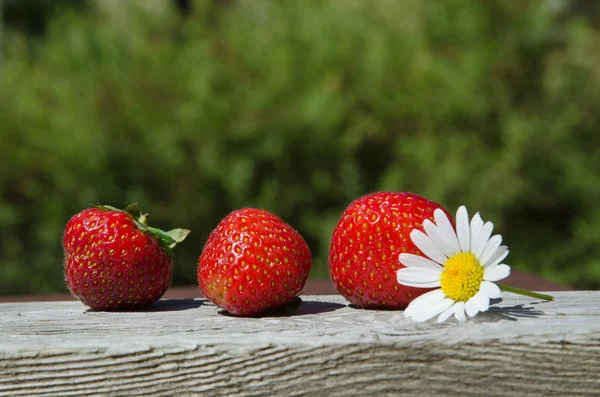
(178, 235)
(163, 237)
(105, 207)
(133, 210)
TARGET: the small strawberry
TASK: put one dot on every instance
(363, 257)
(253, 262)
(114, 260)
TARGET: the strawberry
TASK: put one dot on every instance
(114, 260)
(253, 262)
(372, 232)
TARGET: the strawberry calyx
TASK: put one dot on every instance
(167, 239)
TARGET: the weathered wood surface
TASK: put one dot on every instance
(186, 347)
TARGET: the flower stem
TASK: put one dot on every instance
(507, 288)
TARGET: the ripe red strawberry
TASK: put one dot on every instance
(252, 262)
(114, 260)
(372, 232)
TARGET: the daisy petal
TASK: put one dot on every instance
(459, 313)
(496, 272)
(490, 290)
(483, 302)
(498, 257)
(436, 238)
(471, 307)
(417, 277)
(476, 225)
(426, 246)
(462, 229)
(446, 229)
(433, 310)
(490, 248)
(423, 301)
(447, 313)
(410, 260)
(479, 241)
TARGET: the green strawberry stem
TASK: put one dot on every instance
(519, 291)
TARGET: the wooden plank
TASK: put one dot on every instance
(186, 347)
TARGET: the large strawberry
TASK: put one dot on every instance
(372, 232)
(253, 262)
(114, 260)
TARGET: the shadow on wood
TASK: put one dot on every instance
(306, 308)
(164, 305)
(510, 313)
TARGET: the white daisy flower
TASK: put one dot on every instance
(463, 264)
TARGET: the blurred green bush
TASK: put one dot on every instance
(299, 107)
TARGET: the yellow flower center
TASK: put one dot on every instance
(461, 277)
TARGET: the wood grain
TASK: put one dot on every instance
(186, 347)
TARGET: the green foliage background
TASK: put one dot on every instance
(300, 107)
